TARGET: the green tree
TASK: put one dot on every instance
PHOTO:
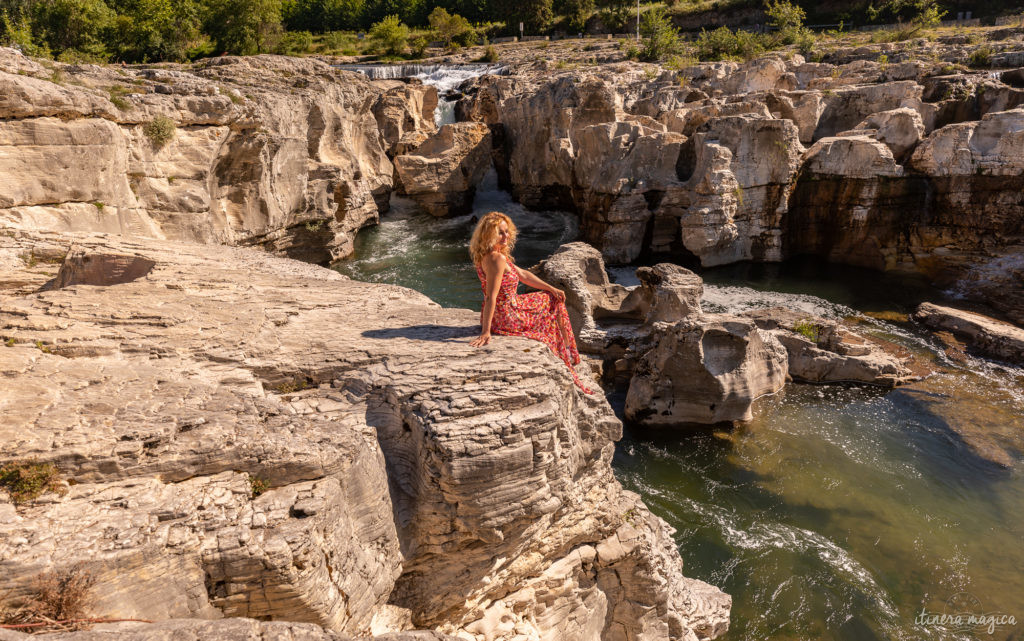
(391, 35)
(615, 14)
(535, 15)
(784, 15)
(577, 11)
(449, 28)
(922, 13)
(153, 29)
(73, 25)
(788, 20)
(661, 37)
(408, 11)
(16, 30)
(319, 16)
(244, 27)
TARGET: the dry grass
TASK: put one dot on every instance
(58, 601)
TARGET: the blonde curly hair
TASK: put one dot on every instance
(485, 236)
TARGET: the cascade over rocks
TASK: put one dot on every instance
(243, 435)
(288, 154)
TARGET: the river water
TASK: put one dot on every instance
(839, 512)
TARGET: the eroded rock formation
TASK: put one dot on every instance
(250, 436)
(284, 153)
(681, 365)
(886, 166)
(442, 172)
(705, 371)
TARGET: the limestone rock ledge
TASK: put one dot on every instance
(469, 488)
(223, 630)
(288, 154)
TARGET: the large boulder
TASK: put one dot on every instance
(442, 173)
(855, 156)
(706, 371)
(900, 130)
(824, 351)
(668, 293)
(403, 111)
(846, 107)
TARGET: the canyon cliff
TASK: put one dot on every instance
(287, 154)
(242, 435)
(888, 166)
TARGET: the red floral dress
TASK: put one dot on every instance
(536, 315)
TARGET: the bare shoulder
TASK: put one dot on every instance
(494, 261)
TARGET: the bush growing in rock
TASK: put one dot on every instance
(295, 42)
(490, 54)
(724, 44)
(981, 57)
(56, 603)
(418, 47)
(160, 131)
(28, 480)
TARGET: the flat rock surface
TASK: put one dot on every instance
(988, 336)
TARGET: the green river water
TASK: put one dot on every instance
(839, 512)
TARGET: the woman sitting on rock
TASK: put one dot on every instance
(538, 315)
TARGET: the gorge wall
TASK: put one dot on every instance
(887, 166)
(284, 153)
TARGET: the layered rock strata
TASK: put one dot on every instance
(824, 351)
(987, 336)
(248, 436)
(286, 153)
(442, 172)
(885, 166)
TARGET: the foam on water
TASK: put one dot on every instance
(446, 78)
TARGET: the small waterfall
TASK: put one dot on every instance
(446, 78)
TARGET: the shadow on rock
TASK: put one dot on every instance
(442, 333)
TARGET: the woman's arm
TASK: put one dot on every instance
(534, 281)
(494, 269)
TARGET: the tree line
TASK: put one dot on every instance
(179, 30)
